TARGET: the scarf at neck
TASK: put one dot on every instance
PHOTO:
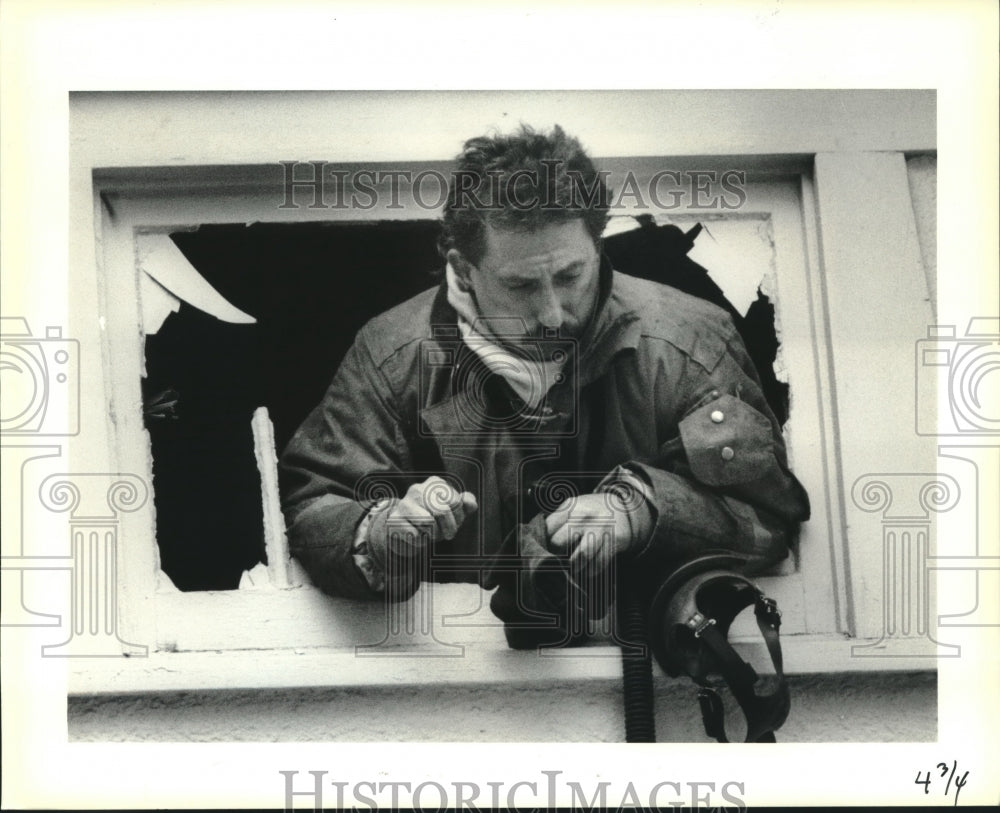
(530, 378)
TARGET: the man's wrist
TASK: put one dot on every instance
(368, 554)
(632, 496)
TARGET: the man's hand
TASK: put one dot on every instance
(594, 528)
(429, 511)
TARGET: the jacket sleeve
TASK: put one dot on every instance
(721, 482)
(353, 432)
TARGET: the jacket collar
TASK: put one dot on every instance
(614, 327)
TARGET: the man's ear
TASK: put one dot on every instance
(463, 268)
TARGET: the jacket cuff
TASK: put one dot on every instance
(322, 537)
(389, 574)
(370, 568)
(636, 497)
(687, 519)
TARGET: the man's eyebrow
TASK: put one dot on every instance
(569, 266)
(513, 276)
(518, 279)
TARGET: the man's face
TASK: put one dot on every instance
(548, 277)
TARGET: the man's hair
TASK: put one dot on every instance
(522, 181)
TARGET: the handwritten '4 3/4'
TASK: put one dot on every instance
(944, 771)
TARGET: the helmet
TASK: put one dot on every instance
(689, 622)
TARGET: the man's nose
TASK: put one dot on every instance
(550, 311)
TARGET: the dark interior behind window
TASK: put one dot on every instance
(311, 286)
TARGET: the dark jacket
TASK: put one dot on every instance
(659, 383)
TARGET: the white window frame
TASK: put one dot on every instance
(814, 592)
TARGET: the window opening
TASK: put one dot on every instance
(310, 287)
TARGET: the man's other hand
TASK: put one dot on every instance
(429, 511)
(592, 529)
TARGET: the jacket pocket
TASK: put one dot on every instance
(727, 442)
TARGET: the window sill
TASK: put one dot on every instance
(423, 666)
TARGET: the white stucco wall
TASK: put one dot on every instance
(873, 707)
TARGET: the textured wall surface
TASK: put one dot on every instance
(869, 707)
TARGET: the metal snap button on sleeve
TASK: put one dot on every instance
(728, 453)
